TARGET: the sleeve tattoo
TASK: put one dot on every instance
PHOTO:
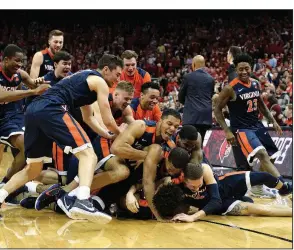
(239, 209)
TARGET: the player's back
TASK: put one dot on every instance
(10, 84)
(243, 110)
(48, 64)
(72, 91)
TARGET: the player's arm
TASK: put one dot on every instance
(128, 115)
(149, 174)
(268, 115)
(122, 145)
(92, 122)
(31, 83)
(183, 90)
(215, 203)
(97, 114)
(36, 64)
(98, 85)
(12, 96)
(197, 154)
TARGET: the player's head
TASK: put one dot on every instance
(149, 95)
(62, 63)
(188, 137)
(130, 61)
(242, 63)
(168, 124)
(176, 161)
(193, 174)
(123, 94)
(55, 40)
(233, 52)
(168, 200)
(12, 58)
(289, 110)
(110, 67)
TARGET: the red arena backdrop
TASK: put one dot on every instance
(220, 153)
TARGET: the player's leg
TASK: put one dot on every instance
(245, 208)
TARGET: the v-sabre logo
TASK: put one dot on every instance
(250, 95)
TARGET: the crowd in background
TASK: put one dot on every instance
(166, 51)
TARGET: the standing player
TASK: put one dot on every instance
(132, 73)
(11, 115)
(43, 60)
(48, 119)
(242, 96)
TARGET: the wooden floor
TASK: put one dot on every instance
(21, 228)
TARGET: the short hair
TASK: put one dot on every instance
(125, 86)
(168, 199)
(111, 61)
(172, 112)
(243, 57)
(188, 132)
(61, 55)
(55, 33)
(193, 171)
(235, 50)
(10, 50)
(179, 157)
(129, 54)
(149, 85)
(283, 86)
(290, 106)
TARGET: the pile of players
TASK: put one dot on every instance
(80, 149)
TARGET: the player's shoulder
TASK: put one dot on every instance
(142, 72)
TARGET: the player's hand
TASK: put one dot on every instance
(231, 138)
(277, 128)
(110, 136)
(40, 80)
(132, 203)
(183, 217)
(41, 89)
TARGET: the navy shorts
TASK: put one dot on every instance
(11, 124)
(47, 122)
(253, 140)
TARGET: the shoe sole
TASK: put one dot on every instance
(38, 199)
(96, 217)
(60, 204)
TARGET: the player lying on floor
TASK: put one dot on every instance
(224, 195)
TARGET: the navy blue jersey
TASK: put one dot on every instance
(48, 64)
(10, 84)
(243, 111)
(72, 91)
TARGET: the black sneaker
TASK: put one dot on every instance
(66, 203)
(84, 209)
(286, 189)
(28, 203)
(48, 196)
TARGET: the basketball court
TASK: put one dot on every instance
(22, 228)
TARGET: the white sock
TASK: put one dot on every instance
(32, 186)
(3, 195)
(83, 192)
(73, 192)
(77, 180)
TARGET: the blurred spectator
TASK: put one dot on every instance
(275, 109)
(283, 96)
(273, 61)
(289, 115)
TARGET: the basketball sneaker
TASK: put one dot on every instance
(286, 189)
(66, 202)
(84, 209)
(48, 196)
(29, 202)
(261, 191)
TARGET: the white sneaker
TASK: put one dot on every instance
(262, 191)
